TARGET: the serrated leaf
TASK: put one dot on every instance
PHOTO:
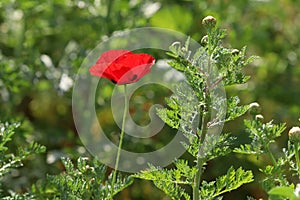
(226, 183)
(234, 110)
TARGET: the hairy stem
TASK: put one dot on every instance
(120, 142)
(205, 119)
(200, 160)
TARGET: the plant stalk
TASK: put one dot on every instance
(200, 160)
(296, 146)
(120, 142)
(205, 119)
(270, 155)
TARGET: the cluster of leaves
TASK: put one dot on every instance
(86, 180)
(10, 160)
(41, 43)
(169, 180)
(281, 176)
(191, 110)
(226, 183)
(63, 30)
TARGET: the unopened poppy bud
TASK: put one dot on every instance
(294, 134)
(259, 117)
(254, 108)
(204, 40)
(209, 21)
(235, 52)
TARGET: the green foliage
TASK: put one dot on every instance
(65, 31)
(169, 180)
(226, 183)
(262, 135)
(86, 181)
(182, 174)
(190, 111)
(277, 175)
(10, 160)
(283, 193)
(19, 197)
(234, 109)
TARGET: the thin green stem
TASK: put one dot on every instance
(267, 148)
(205, 119)
(120, 142)
(197, 179)
(296, 146)
(200, 160)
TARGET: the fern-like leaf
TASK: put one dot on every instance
(226, 183)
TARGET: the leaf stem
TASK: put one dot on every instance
(267, 148)
(120, 142)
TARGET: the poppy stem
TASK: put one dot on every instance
(114, 178)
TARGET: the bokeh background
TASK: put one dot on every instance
(42, 45)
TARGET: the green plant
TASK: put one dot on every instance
(10, 160)
(191, 112)
(87, 180)
(63, 32)
(282, 174)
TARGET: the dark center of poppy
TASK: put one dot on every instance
(134, 77)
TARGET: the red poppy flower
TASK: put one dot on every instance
(122, 66)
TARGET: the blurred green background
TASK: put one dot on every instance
(42, 45)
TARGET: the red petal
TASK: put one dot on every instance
(122, 66)
(112, 55)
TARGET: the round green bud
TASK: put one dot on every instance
(294, 134)
(209, 21)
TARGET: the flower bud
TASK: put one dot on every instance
(209, 21)
(204, 40)
(294, 134)
(259, 117)
(254, 108)
(235, 51)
